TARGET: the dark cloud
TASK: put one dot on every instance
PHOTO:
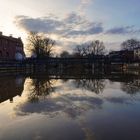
(122, 30)
(45, 24)
(73, 24)
(72, 29)
(61, 104)
(119, 100)
(94, 29)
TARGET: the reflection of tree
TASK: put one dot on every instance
(94, 85)
(131, 87)
(40, 87)
(69, 105)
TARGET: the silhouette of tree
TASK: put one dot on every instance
(130, 44)
(80, 50)
(40, 45)
(96, 48)
(93, 48)
(64, 54)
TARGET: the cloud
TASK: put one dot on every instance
(73, 29)
(83, 5)
(67, 32)
(73, 24)
(119, 100)
(95, 28)
(85, 2)
(43, 24)
(122, 30)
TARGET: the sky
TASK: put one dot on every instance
(72, 22)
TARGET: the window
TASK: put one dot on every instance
(0, 53)
(18, 48)
(6, 42)
(7, 54)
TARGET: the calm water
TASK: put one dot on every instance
(106, 107)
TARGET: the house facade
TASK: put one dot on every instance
(121, 55)
(137, 53)
(11, 48)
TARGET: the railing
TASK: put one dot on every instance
(51, 60)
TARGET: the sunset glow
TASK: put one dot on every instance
(72, 21)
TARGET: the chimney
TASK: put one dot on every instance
(0, 33)
(11, 35)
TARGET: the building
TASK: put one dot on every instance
(11, 48)
(137, 53)
(121, 55)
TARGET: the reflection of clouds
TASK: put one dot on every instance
(68, 105)
(131, 87)
(38, 126)
(69, 99)
(70, 102)
(71, 106)
(120, 100)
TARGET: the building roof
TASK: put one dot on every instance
(11, 38)
(137, 48)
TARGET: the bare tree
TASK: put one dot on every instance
(130, 44)
(40, 45)
(79, 51)
(96, 48)
(92, 48)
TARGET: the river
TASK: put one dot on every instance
(66, 107)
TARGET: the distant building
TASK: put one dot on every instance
(11, 48)
(137, 53)
(122, 55)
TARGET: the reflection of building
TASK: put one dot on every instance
(137, 82)
(9, 88)
(11, 48)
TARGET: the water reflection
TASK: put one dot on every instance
(131, 86)
(95, 85)
(73, 106)
(54, 100)
(40, 87)
(10, 87)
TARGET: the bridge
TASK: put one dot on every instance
(72, 61)
(64, 61)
